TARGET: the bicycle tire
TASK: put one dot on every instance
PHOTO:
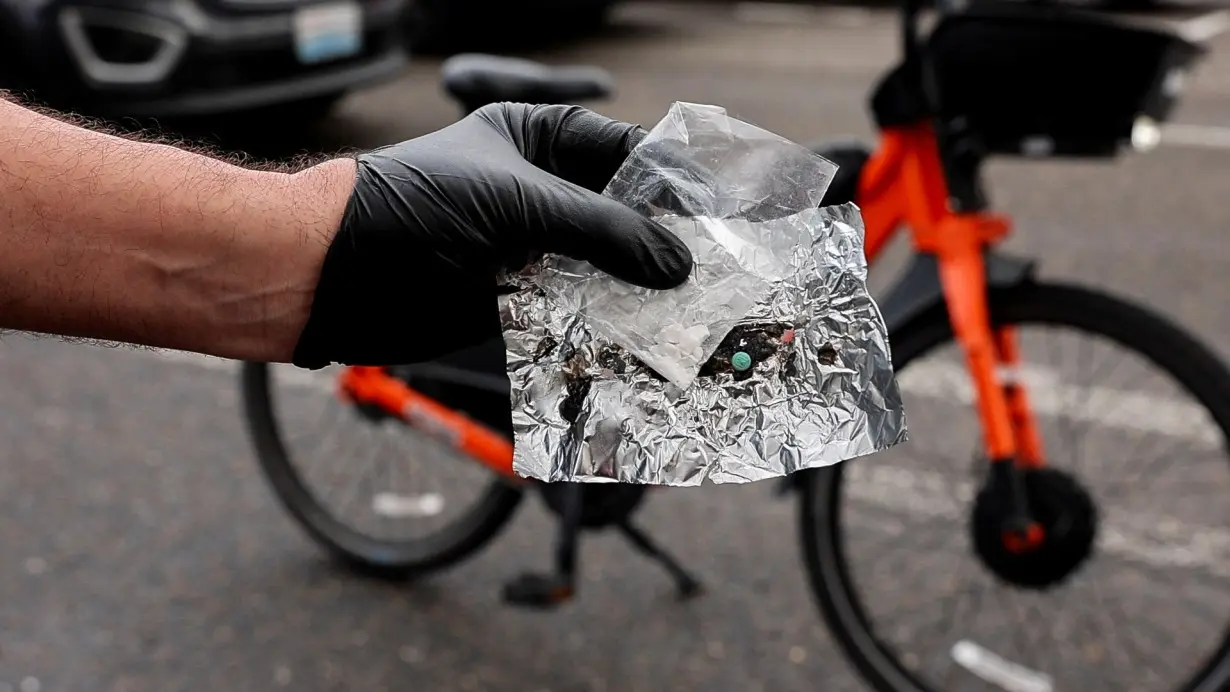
(357, 551)
(1192, 365)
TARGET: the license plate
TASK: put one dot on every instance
(328, 32)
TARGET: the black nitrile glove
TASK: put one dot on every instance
(411, 274)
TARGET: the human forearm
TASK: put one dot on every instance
(145, 243)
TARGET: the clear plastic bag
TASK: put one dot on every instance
(713, 181)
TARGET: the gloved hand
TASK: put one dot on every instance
(411, 274)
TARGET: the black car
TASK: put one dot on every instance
(171, 58)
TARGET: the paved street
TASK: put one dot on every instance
(141, 550)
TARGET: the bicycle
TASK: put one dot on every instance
(1032, 526)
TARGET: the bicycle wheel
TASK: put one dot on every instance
(1162, 564)
(363, 542)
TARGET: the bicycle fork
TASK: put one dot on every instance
(992, 358)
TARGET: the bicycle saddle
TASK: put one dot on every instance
(476, 80)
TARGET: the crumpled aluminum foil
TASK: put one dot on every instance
(615, 383)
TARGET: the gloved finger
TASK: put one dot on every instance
(586, 226)
(570, 142)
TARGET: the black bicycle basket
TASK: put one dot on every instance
(1053, 81)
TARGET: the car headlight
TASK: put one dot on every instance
(1146, 134)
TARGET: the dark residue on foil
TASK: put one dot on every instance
(545, 348)
(760, 341)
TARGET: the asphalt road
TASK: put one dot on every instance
(141, 550)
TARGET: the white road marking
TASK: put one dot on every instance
(1204, 27)
(998, 671)
(1196, 136)
(397, 506)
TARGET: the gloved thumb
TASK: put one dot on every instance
(586, 226)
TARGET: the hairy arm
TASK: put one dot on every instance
(103, 237)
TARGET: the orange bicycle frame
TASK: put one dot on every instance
(904, 184)
(374, 386)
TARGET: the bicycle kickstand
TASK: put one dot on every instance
(545, 591)
(686, 585)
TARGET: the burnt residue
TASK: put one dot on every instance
(613, 358)
(760, 341)
(577, 388)
(789, 368)
(545, 347)
(578, 380)
(576, 383)
(620, 362)
(827, 355)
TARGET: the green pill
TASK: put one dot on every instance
(741, 361)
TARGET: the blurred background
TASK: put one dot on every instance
(141, 548)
